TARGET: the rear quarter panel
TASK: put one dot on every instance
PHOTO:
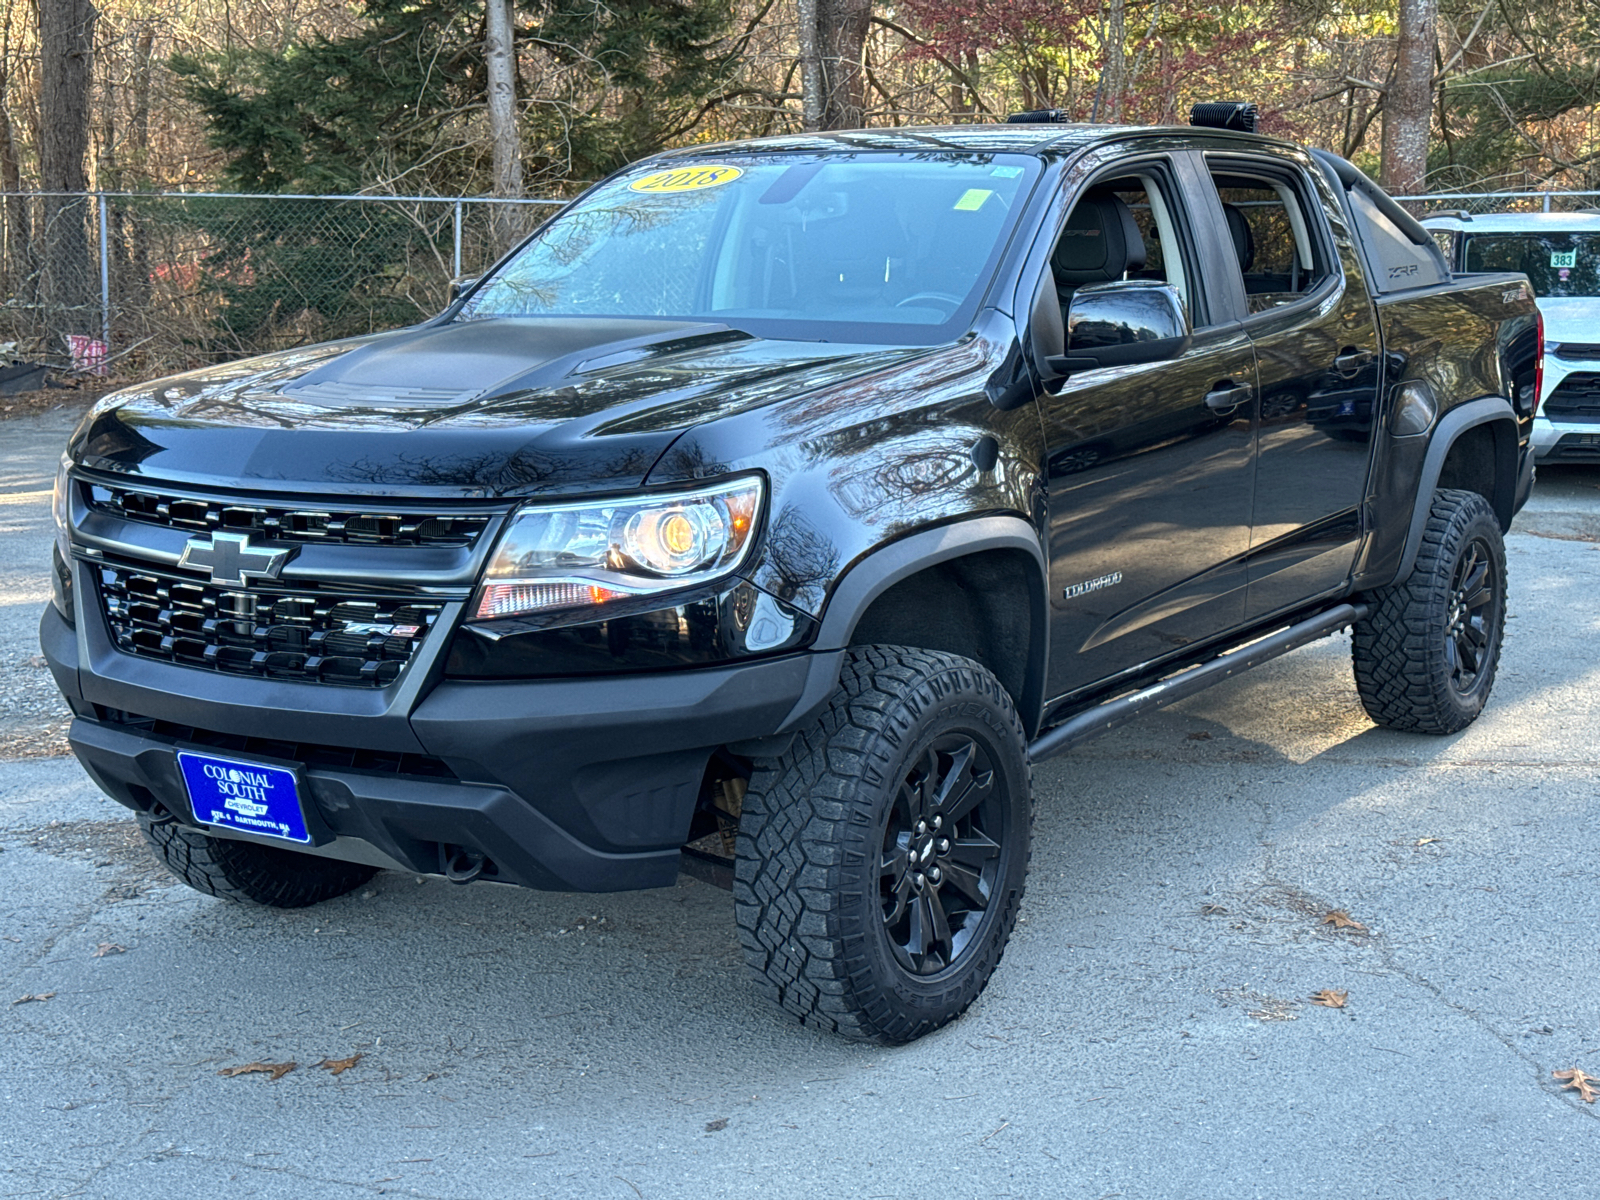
(1473, 338)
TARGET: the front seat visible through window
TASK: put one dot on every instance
(1244, 242)
(1100, 243)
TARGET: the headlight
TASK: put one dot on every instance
(59, 509)
(61, 558)
(562, 556)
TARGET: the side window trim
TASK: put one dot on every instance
(1113, 162)
(1224, 286)
(1277, 174)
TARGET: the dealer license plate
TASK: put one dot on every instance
(249, 797)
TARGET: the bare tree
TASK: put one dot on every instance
(66, 43)
(17, 264)
(832, 44)
(1408, 102)
(812, 86)
(505, 144)
(842, 27)
(1114, 74)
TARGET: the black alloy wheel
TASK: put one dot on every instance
(1425, 656)
(881, 857)
(1472, 620)
(944, 844)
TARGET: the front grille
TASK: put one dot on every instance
(1578, 395)
(385, 762)
(1577, 350)
(288, 524)
(302, 635)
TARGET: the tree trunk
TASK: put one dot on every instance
(499, 57)
(1116, 67)
(66, 45)
(812, 102)
(138, 246)
(842, 27)
(18, 266)
(1408, 103)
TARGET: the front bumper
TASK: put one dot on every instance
(569, 784)
(1566, 441)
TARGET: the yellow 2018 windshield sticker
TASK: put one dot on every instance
(972, 199)
(685, 179)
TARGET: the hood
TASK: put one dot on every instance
(498, 407)
(1571, 318)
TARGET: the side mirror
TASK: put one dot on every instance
(461, 285)
(1123, 323)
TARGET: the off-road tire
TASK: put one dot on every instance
(248, 873)
(814, 888)
(1409, 652)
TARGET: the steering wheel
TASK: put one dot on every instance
(942, 297)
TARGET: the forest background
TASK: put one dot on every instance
(519, 98)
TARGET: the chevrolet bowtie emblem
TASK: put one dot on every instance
(232, 560)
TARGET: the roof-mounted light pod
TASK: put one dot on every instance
(1230, 114)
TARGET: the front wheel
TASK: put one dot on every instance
(880, 860)
(1425, 658)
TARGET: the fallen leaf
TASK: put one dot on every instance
(1213, 910)
(1329, 998)
(340, 1065)
(717, 1126)
(9, 938)
(33, 996)
(276, 1070)
(106, 948)
(1199, 735)
(1579, 1082)
(1426, 841)
(1340, 919)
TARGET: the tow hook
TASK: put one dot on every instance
(462, 865)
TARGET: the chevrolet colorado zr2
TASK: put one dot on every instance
(772, 509)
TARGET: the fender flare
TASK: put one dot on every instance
(1483, 411)
(888, 564)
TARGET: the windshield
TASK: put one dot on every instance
(1557, 264)
(849, 247)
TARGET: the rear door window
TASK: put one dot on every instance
(1279, 259)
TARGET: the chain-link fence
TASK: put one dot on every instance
(1483, 203)
(125, 281)
(131, 282)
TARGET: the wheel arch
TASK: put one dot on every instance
(1473, 448)
(976, 587)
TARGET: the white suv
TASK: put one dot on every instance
(1560, 255)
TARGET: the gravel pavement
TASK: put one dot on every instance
(33, 717)
(1150, 1032)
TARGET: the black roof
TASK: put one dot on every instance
(1053, 139)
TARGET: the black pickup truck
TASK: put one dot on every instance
(773, 508)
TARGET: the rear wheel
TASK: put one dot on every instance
(881, 860)
(250, 873)
(1425, 659)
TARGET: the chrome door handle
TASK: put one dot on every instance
(1350, 361)
(1227, 396)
